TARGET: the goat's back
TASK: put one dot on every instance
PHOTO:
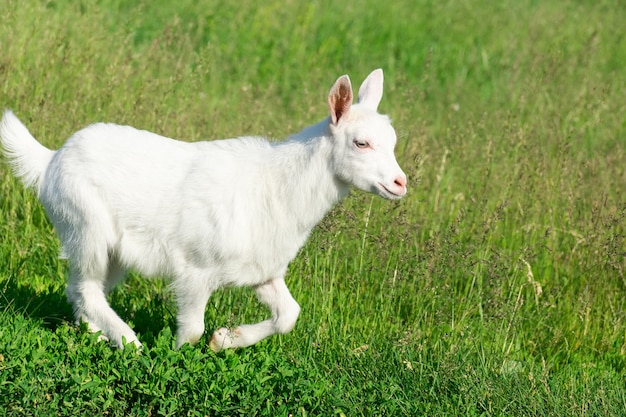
(154, 199)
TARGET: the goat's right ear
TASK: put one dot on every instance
(340, 99)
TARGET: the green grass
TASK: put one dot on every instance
(495, 288)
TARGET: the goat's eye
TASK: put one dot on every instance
(361, 144)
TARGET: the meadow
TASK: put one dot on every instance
(496, 287)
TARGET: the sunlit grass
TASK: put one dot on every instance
(496, 287)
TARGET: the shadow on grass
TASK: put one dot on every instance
(51, 308)
(145, 307)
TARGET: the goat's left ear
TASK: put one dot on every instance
(340, 99)
(371, 91)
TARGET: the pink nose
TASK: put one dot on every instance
(400, 181)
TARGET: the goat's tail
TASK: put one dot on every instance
(28, 158)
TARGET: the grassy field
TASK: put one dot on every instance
(497, 287)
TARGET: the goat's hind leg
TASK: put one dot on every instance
(285, 311)
(115, 274)
(86, 291)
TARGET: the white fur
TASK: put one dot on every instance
(206, 214)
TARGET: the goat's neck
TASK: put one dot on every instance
(310, 187)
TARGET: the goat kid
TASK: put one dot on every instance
(208, 214)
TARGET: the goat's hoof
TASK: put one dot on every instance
(101, 337)
(128, 343)
(222, 338)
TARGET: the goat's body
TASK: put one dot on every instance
(207, 214)
(188, 205)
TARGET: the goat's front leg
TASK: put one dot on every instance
(285, 311)
(192, 299)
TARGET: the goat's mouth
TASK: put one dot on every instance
(388, 193)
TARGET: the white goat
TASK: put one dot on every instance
(207, 214)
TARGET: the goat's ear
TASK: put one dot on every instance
(340, 99)
(371, 91)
